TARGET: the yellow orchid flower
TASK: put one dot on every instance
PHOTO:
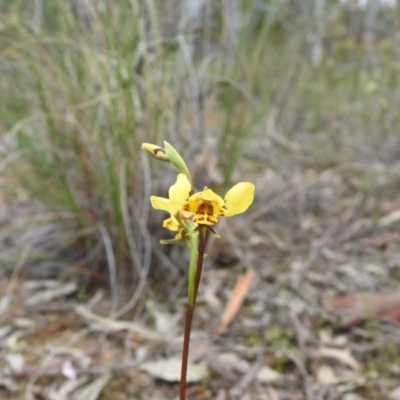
(178, 194)
(207, 206)
(204, 207)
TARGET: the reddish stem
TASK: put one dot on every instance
(189, 315)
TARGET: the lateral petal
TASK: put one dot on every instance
(160, 203)
(239, 198)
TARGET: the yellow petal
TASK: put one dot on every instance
(208, 196)
(239, 198)
(171, 224)
(180, 191)
(159, 203)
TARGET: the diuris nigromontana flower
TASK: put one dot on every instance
(207, 206)
(202, 208)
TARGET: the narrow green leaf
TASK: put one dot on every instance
(194, 244)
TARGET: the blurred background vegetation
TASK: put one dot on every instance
(241, 88)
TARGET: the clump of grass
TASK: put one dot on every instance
(91, 83)
(84, 86)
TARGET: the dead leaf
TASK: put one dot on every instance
(353, 396)
(45, 296)
(326, 339)
(71, 385)
(389, 219)
(342, 355)
(16, 361)
(356, 308)
(110, 325)
(170, 370)
(41, 284)
(395, 394)
(93, 390)
(228, 365)
(268, 375)
(326, 375)
(23, 323)
(165, 323)
(235, 301)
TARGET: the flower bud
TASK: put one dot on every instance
(156, 151)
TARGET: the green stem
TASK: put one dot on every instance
(189, 312)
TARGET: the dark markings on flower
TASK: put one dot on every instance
(205, 209)
(159, 150)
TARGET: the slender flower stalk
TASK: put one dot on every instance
(193, 215)
(190, 310)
